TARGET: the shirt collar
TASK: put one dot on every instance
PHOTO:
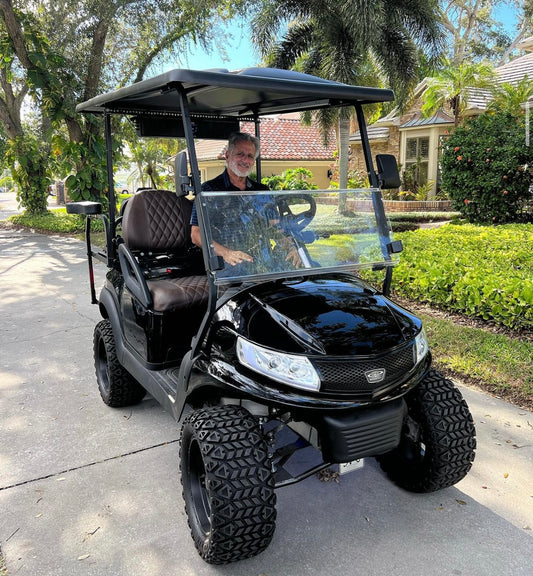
(229, 185)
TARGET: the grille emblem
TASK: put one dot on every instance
(375, 376)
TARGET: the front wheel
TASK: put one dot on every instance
(228, 486)
(438, 441)
(117, 386)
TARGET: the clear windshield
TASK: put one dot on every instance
(279, 234)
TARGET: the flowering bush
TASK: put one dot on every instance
(485, 168)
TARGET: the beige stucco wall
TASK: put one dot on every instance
(433, 133)
(389, 146)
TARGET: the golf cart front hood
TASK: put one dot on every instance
(332, 315)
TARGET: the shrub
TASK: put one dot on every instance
(485, 168)
(292, 179)
(57, 221)
(486, 272)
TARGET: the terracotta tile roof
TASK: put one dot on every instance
(210, 149)
(282, 138)
(288, 139)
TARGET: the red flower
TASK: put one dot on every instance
(505, 192)
(459, 158)
(456, 149)
(467, 201)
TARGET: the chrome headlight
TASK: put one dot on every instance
(421, 346)
(296, 371)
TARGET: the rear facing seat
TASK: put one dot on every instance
(157, 222)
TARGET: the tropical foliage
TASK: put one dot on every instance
(352, 42)
(292, 179)
(480, 271)
(62, 53)
(454, 85)
(507, 97)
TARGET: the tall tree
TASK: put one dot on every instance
(67, 51)
(355, 42)
(524, 27)
(476, 34)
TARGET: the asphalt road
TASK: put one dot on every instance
(88, 490)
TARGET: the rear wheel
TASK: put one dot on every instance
(117, 387)
(438, 441)
(228, 486)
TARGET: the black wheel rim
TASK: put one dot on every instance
(198, 489)
(102, 367)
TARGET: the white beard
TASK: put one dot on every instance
(232, 165)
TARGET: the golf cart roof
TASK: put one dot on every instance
(244, 93)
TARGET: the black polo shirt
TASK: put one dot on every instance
(223, 183)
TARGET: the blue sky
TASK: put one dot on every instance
(240, 53)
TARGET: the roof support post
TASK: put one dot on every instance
(111, 254)
(191, 356)
(257, 123)
(372, 176)
(189, 138)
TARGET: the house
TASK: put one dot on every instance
(416, 140)
(285, 143)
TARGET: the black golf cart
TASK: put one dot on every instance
(280, 367)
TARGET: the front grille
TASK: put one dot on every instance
(347, 376)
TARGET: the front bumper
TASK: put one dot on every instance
(360, 433)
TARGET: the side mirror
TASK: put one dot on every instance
(181, 174)
(388, 173)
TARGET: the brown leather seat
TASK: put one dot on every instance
(157, 221)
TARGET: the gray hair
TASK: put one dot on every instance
(236, 137)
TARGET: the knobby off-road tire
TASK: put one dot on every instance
(228, 486)
(438, 441)
(117, 387)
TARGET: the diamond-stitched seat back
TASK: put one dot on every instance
(157, 221)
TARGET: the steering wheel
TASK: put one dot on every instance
(295, 223)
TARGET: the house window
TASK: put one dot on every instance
(417, 160)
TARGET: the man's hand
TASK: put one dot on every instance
(234, 257)
(294, 258)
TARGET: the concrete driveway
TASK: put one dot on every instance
(88, 490)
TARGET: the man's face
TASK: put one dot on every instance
(241, 159)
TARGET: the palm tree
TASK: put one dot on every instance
(508, 97)
(353, 41)
(454, 85)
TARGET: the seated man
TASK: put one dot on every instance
(241, 153)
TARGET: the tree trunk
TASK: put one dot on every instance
(344, 149)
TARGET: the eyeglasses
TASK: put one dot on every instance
(243, 155)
